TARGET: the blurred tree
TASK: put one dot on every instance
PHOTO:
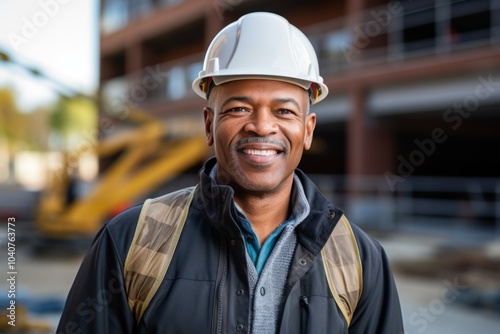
(73, 122)
(21, 130)
(69, 126)
(12, 122)
(12, 131)
(38, 129)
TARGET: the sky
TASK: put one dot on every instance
(58, 37)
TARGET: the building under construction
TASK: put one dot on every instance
(409, 134)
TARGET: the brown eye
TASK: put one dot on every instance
(237, 109)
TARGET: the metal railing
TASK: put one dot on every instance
(155, 84)
(419, 202)
(116, 14)
(405, 30)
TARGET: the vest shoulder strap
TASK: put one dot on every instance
(343, 268)
(156, 236)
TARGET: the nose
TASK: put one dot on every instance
(262, 123)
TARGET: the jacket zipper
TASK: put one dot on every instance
(221, 280)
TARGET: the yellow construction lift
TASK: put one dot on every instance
(151, 154)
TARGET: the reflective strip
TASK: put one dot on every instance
(343, 269)
(156, 236)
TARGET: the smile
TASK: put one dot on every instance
(259, 152)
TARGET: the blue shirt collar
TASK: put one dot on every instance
(300, 205)
(260, 253)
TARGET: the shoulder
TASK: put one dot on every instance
(120, 229)
(366, 243)
(370, 249)
(373, 257)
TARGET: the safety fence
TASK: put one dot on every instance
(420, 203)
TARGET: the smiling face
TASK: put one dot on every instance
(259, 129)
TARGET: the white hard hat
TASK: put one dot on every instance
(261, 46)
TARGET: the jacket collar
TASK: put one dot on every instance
(300, 206)
(315, 230)
(216, 203)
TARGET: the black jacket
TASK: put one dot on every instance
(206, 287)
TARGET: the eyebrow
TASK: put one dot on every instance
(247, 99)
(287, 100)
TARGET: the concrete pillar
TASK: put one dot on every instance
(355, 6)
(370, 145)
(133, 58)
(356, 133)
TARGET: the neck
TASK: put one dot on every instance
(265, 211)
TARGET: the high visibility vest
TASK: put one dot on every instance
(158, 231)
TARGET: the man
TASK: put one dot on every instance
(254, 247)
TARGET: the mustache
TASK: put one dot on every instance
(261, 140)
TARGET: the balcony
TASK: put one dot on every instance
(154, 85)
(116, 14)
(402, 31)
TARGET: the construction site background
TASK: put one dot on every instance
(406, 144)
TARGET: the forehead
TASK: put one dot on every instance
(262, 91)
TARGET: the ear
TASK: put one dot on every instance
(309, 130)
(208, 115)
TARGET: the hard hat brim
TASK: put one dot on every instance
(304, 84)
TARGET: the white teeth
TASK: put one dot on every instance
(260, 152)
